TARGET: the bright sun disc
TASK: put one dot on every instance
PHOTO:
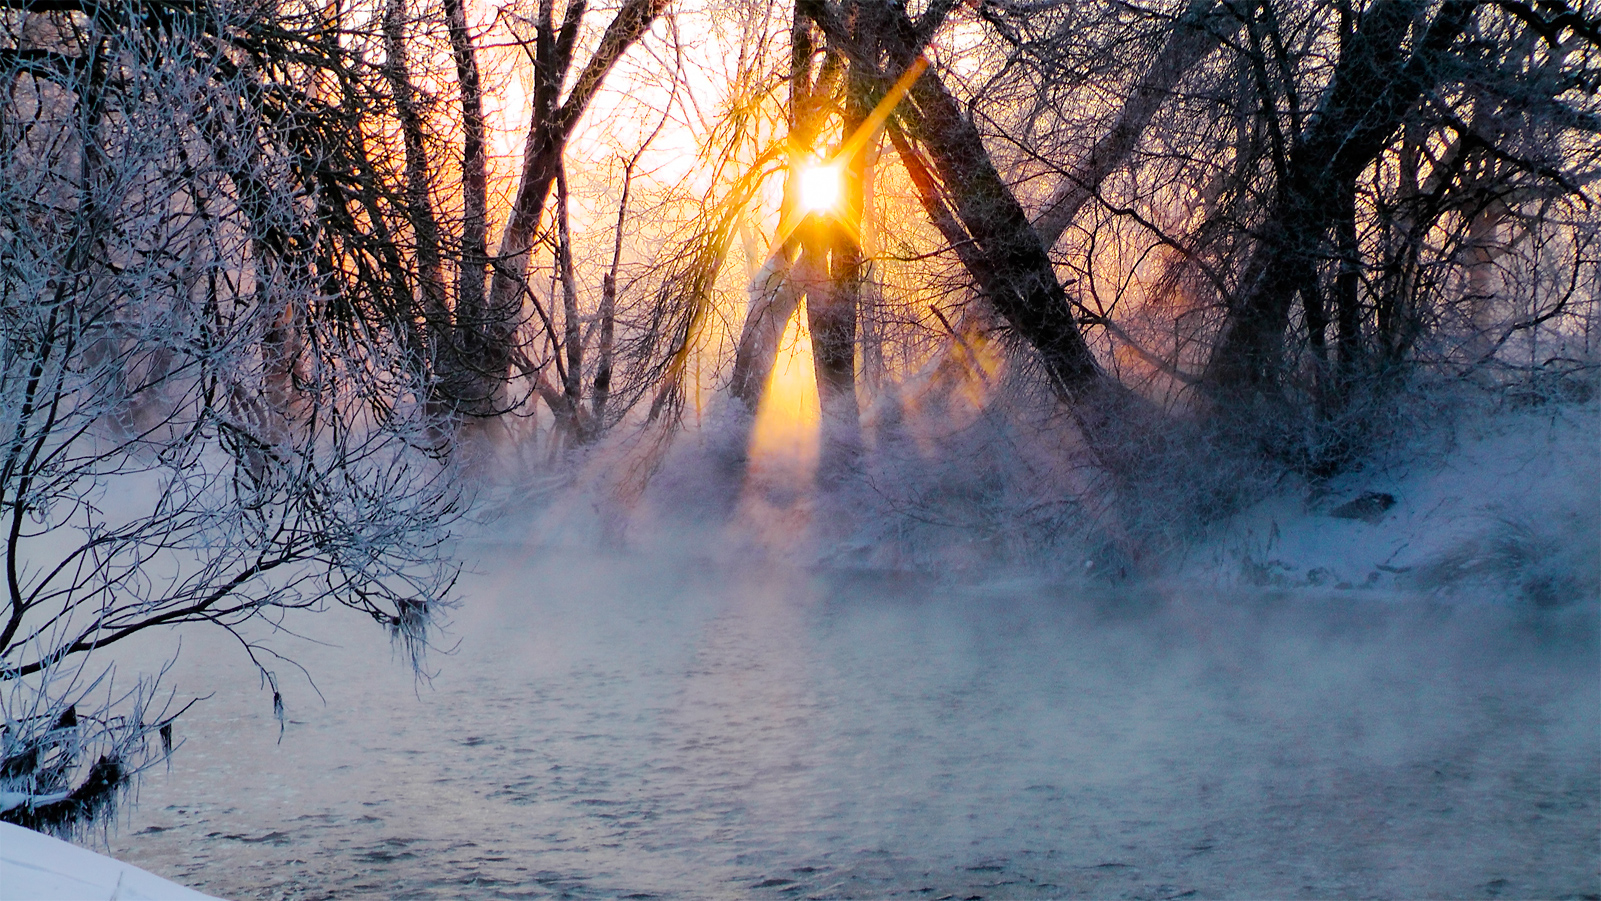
(819, 188)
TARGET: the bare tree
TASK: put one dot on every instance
(493, 331)
(1374, 84)
(190, 435)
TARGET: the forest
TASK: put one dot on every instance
(292, 292)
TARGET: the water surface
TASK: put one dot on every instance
(627, 727)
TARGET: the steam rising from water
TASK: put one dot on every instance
(674, 726)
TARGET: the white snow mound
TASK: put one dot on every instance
(36, 867)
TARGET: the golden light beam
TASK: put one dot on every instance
(880, 114)
(784, 437)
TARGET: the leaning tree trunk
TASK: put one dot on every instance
(1016, 274)
(1203, 26)
(773, 299)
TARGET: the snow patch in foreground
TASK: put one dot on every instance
(36, 867)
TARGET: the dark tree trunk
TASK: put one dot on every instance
(832, 306)
(474, 261)
(777, 289)
(1347, 301)
(1374, 85)
(1016, 274)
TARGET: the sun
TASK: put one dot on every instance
(819, 188)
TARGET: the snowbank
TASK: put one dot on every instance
(1507, 506)
(36, 867)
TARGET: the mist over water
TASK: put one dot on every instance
(681, 725)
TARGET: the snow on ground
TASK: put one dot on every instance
(1507, 506)
(35, 867)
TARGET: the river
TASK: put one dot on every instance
(646, 727)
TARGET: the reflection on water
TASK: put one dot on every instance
(628, 729)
